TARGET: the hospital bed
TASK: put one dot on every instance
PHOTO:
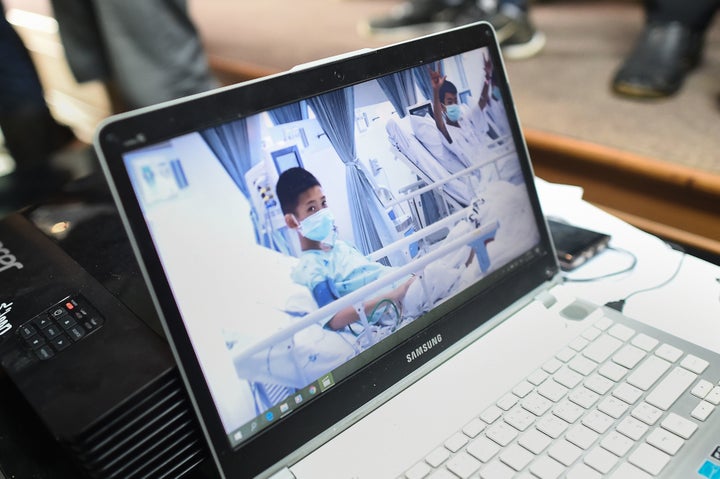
(304, 350)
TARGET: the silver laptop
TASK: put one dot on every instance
(356, 279)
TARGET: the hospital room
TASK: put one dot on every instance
(417, 209)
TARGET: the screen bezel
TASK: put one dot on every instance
(128, 132)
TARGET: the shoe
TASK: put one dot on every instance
(662, 56)
(415, 17)
(516, 35)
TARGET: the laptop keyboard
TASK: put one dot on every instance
(615, 402)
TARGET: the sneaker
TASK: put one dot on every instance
(416, 17)
(516, 35)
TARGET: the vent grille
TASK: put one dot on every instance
(153, 435)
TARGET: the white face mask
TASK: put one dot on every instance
(318, 226)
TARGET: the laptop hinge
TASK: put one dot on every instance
(283, 473)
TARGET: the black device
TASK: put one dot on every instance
(575, 245)
(82, 345)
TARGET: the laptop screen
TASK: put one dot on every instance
(302, 243)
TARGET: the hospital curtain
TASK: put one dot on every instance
(400, 90)
(335, 111)
(230, 144)
(422, 78)
(289, 113)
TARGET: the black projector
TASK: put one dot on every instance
(83, 345)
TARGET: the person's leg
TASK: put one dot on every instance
(146, 52)
(414, 17)
(669, 46)
(29, 130)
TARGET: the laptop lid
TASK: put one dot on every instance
(435, 229)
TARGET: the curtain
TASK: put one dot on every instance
(422, 77)
(230, 144)
(400, 90)
(372, 227)
(289, 113)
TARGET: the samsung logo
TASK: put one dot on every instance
(7, 259)
(423, 348)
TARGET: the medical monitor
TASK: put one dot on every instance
(252, 326)
(286, 158)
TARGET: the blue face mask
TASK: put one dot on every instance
(318, 226)
(453, 112)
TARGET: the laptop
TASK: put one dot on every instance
(417, 329)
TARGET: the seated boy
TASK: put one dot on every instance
(329, 267)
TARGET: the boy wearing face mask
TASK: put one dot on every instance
(329, 267)
(465, 130)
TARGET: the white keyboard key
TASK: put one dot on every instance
(628, 356)
(583, 471)
(702, 388)
(679, 425)
(567, 377)
(551, 365)
(546, 468)
(463, 465)
(519, 418)
(600, 460)
(629, 394)
(552, 426)
(613, 407)
(483, 449)
(647, 413)
(474, 427)
(669, 353)
(565, 354)
(516, 457)
(564, 452)
(501, 433)
(418, 471)
(645, 375)
(578, 344)
(497, 470)
(612, 371)
(536, 404)
(522, 389)
(694, 363)
(582, 365)
(534, 441)
(598, 421)
(507, 401)
(442, 474)
(568, 411)
(601, 349)
(598, 384)
(713, 396)
(622, 332)
(617, 443)
(537, 377)
(581, 436)
(584, 397)
(456, 442)
(628, 471)
(702, 411)
(665, 441)
(670, 388)
(603, 323)
(591, 333)
(491, 414)
(649, 459)
(437, 457)
(644, 342)
(552, 390)
(632, 428)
